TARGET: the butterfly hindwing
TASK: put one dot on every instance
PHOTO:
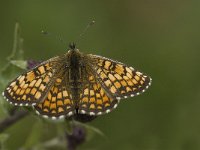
(58, 102)
(30, 87)
(94, 100)
(122, 81)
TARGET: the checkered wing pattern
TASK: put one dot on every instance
(58, 102)
(94, 100)
(119, 79)
(32, 86)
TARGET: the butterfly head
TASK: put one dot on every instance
(72, 46)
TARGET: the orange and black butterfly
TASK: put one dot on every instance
(76, 83)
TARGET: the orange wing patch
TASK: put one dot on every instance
(57, 104)
(94, 100)
(30, 87)
(120, 80)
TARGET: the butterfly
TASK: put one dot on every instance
(76, 83)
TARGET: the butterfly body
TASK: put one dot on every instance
(76, 83)
(74, 69)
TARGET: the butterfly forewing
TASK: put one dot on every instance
(122, 81)
(32, 86)
(58, 102)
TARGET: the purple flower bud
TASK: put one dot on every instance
(32, 63)
(76, 138)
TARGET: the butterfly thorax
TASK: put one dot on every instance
(74, 65)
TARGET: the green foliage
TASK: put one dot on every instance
(19, 63)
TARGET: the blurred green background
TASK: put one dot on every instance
(160, 38)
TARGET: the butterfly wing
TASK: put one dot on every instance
(122, 81)
(58, 102)
(94, 100)
(31, 87)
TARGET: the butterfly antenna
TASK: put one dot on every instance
(57, 37)
(85, 30)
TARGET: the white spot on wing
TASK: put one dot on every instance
(99, 113)
(115, 106)
(45, 116)
(70, 113)
(92, 113)
(61, 117)
(3, 94)
(108, 110)
(138, 73)
(53, 118)
(37, 112)
(83, 111)
(118, 98)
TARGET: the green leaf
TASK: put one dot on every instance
(19, 63)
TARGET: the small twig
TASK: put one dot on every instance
(16, 116)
